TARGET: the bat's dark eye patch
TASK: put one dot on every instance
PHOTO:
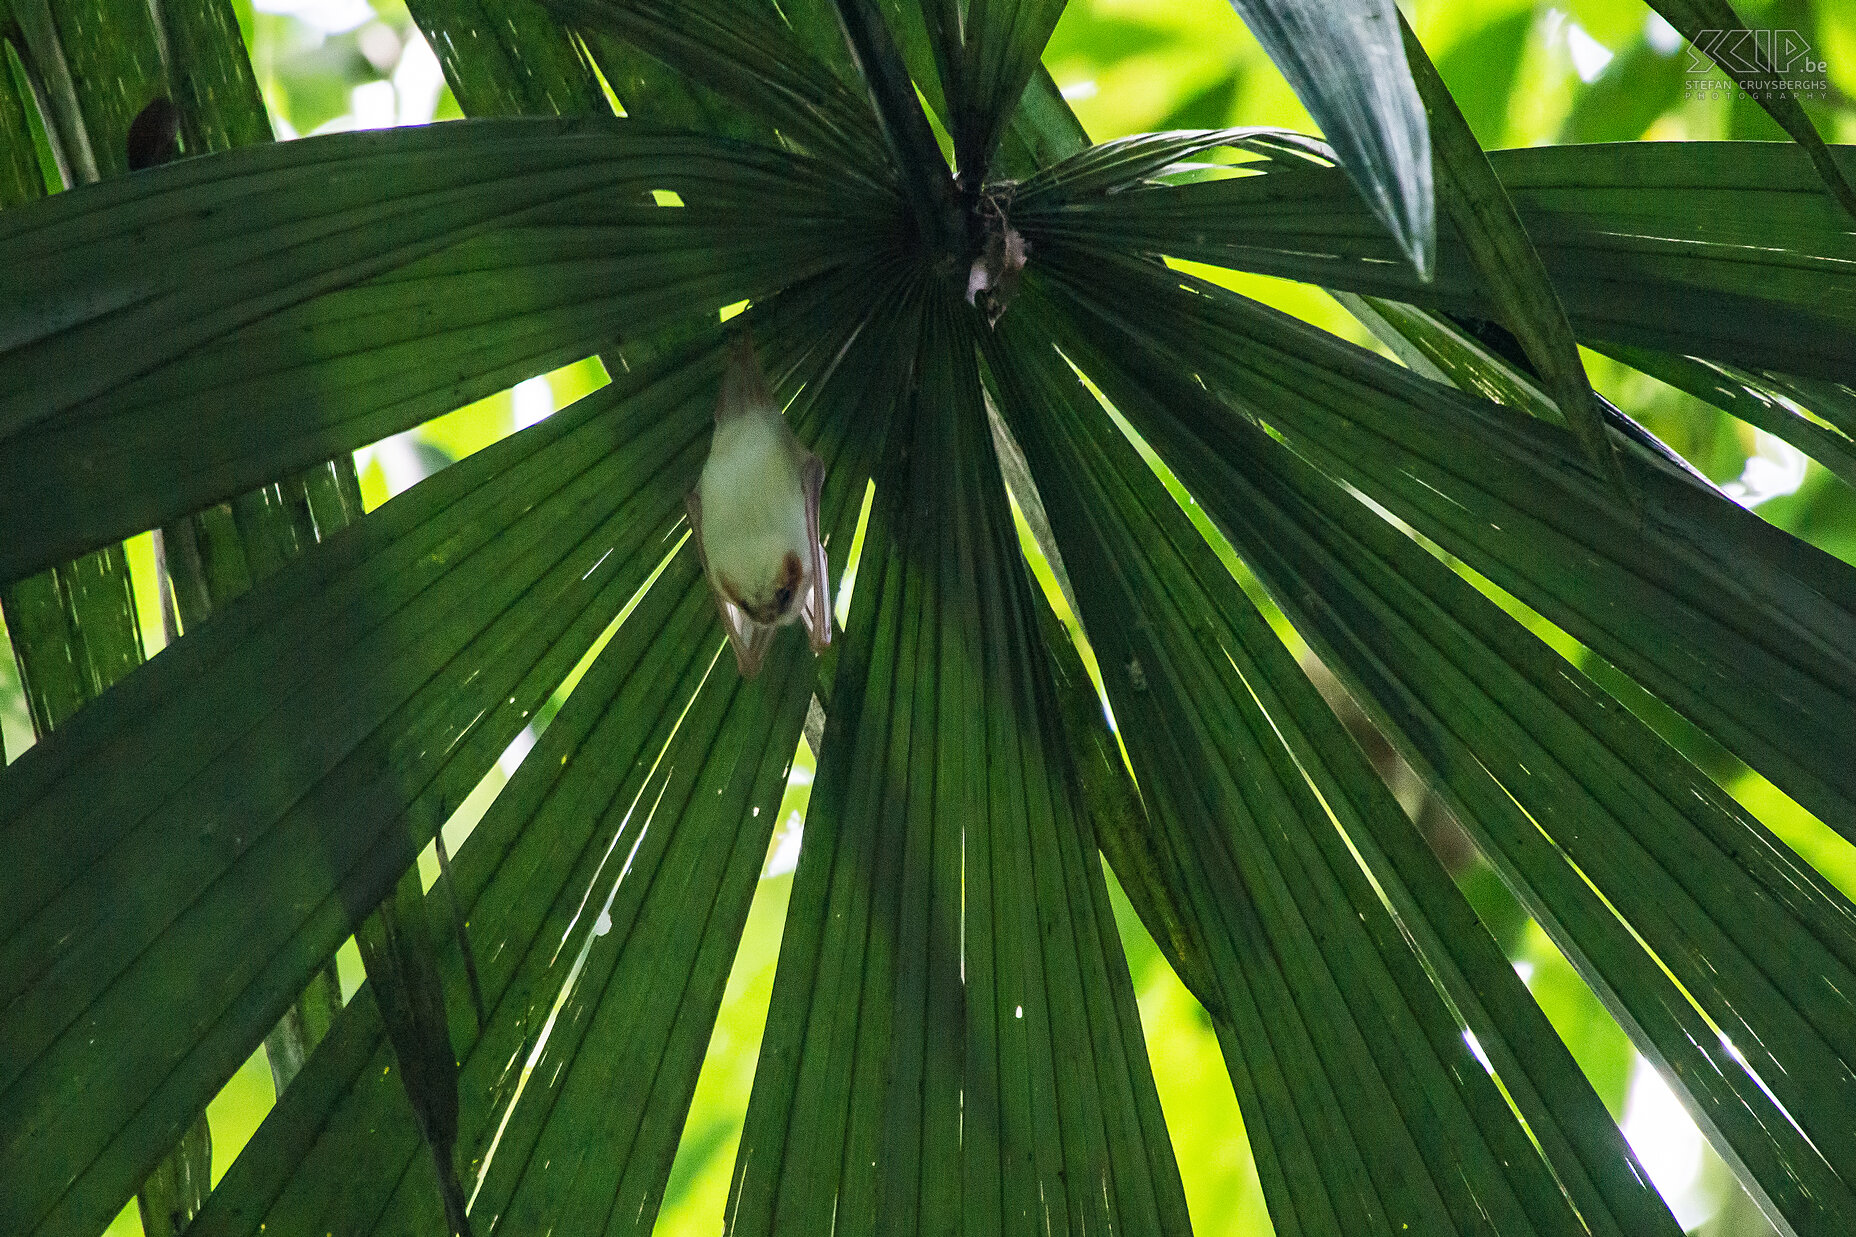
(786, 587)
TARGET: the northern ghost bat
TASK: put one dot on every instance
(754, 517)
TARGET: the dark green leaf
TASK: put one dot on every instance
(611, 797)
(1546, 770)
(174, 1192)
(1716, 597)
(400, 954)
(1511, 272)
(303, 1027)
(1123, 829)
(509, 58)
(74, 630)
(659, 779)
(987, 54)
(816, 26)
(1767, 401)
(1634, 236)
(214, 86)
(214, 556)
(1151, 159)
(98, 65)
(1190, 667)
(1440, 348)
(746, 53)
(906, 135)
(441, 265)
(286, 793)
(1043, 129)
(651, 90)
(1347, 65)
(73, 625)
(949, 957)
(20, 177)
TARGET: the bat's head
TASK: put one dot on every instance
(777, 600)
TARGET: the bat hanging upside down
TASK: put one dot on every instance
(754, 516)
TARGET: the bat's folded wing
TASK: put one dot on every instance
(815, 610)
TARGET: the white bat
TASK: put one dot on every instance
(754, 518)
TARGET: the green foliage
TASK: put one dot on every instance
(1347, 62)
(1144, 573)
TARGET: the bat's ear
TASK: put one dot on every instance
(744, 383)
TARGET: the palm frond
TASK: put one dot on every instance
(287, 302)
(1347, 63)
(1635, 236)
(1536, 771)
(1691, 597)
(1775, 403)
(434, 630)
(949, 951)
(1509, 266)
(641, 780)
(954, 1041)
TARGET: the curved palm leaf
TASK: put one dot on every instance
(577, 796)
(501, 247)
(748, 54)
(949, 952)
(1633, 234)
(954, 1040)
(1187, 653)
(1347, 64)
(278, 875)
(1775, 403)
(1486, 224)
(1554, 765)
(1694, 563)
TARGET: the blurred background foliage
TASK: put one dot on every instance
(1525, 74)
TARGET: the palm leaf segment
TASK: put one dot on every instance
(953, 1043)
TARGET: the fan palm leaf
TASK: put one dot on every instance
(953, 1042)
